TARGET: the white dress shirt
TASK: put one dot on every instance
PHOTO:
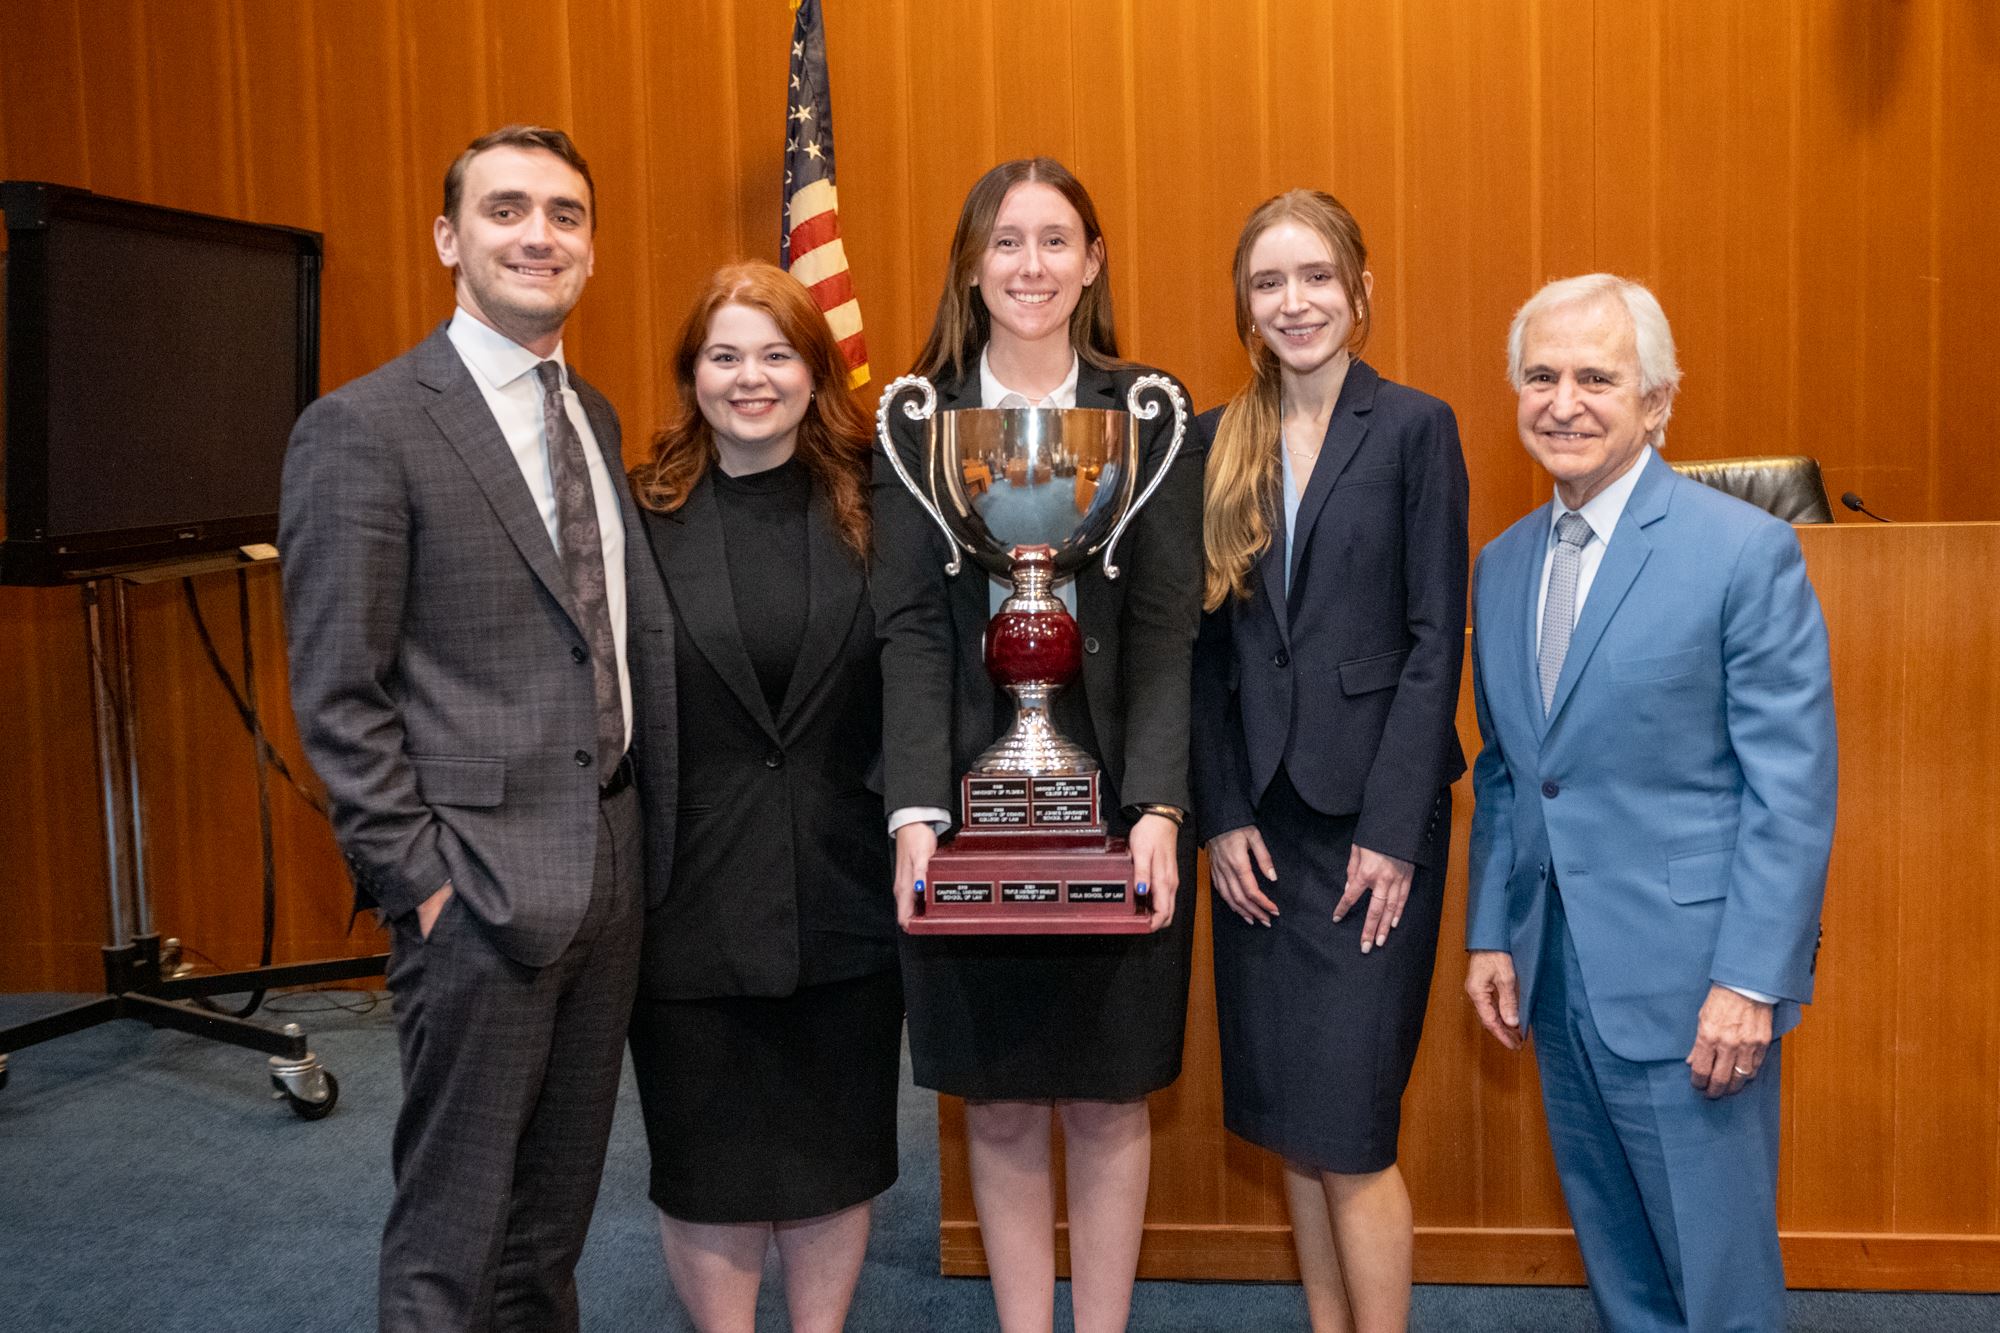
(504, 372)
(992, 393)
(1602, 513)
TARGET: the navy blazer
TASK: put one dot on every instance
(1350, 681)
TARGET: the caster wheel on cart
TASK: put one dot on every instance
(310, 1095)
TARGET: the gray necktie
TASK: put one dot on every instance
(1559, 609)
(583, 561)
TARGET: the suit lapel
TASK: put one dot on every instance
(1623, 559)
(461, 415)
(1097, 389)
(688, 545)
(1272, 567)
(1344, 432)
(1524, 581)
(833, 588)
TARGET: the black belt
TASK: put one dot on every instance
(620, 779)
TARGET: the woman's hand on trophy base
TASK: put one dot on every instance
(1153, 842)
(915, 844)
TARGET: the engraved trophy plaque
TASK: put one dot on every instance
(1032, 495)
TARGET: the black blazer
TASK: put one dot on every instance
(1138, 630)
(781, 870)
(1351, 681)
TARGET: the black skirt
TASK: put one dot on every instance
(1318, 1038)
(771, 1110)
(1047, 1017)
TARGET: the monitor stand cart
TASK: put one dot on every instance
(134, 983)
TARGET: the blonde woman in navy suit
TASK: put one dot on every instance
(1326, 684)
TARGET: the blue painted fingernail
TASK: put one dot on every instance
(1142, 886)
(920, 886)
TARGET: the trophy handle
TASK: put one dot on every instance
(1146, 412)
(915, 412)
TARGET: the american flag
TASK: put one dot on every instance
(810, 246)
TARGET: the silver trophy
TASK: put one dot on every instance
(1032, 494)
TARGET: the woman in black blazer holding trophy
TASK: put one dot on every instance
(1326, 687)
(767, 1035)
(1032, 1028)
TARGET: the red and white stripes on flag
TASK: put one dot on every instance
(820, 262)
(810, 244)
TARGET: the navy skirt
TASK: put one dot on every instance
(1318, 1038)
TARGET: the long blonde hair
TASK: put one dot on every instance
(1240, 490)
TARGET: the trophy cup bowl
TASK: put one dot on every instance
(1032, 495)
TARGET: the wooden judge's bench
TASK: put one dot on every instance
(1891, 1162)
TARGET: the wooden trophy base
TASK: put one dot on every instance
(1032, 859)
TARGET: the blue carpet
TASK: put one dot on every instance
(149, 1184)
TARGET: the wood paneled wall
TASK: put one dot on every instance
(1802, 181)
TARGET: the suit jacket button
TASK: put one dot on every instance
(775, 759)
(577, 654)
(1090, 643)
(1549, 789)
(583, 759)
(1282, 659)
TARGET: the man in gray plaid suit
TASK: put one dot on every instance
(481, 666)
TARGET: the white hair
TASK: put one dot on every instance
(1658, 367)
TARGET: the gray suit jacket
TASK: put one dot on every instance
(442, 686)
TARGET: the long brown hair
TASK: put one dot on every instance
(835, 439)
(962, 326)
(1240, 489)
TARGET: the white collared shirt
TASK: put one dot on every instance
(504, 372)
(992, 393)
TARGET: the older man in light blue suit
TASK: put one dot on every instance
(1655, 812)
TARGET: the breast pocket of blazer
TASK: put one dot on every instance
(1367, 476)
(1664, 666)
(455, 780)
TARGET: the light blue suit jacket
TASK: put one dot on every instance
(1681, 786)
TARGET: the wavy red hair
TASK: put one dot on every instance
(835, 439)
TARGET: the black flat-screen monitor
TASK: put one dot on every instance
(155, 361)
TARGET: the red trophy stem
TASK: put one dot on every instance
(1036, 643)
(1033, 647)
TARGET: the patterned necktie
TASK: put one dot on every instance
(583, 562)
(1559, 610)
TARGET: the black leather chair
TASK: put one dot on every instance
(1788, 486)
